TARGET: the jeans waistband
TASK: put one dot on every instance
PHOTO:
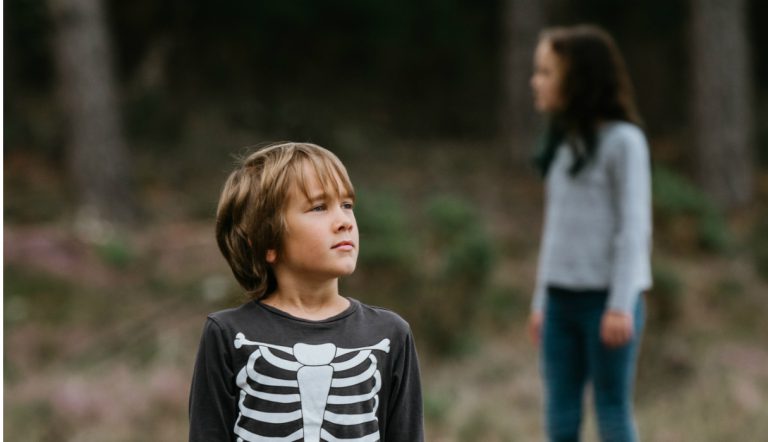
(556, 291)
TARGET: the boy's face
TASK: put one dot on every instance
(321, 239)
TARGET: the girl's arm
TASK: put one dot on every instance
(631, 178)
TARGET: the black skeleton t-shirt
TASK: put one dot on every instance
(264, 375)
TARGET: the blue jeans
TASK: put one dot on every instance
(573, 354)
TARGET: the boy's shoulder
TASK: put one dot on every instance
(234, 315)
(367, 313)
(358, 326)
(382, 314)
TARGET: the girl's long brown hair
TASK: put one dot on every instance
(596, 87)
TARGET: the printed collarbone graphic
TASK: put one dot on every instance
(314, 393)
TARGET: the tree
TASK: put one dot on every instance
(722, 111)
(522, 22)
(96, 150)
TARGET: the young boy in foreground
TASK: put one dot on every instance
(299, 361)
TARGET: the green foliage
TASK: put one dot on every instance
(437, 275)
(713, 231)
(730, 287)
(437, 405)
(385, 237)
(502, 306)
(36, 193)
(115, 251)
(449, 217)
(33, 411)
(675, 198)
(760, 246)
(35, 295)
(675, 195)
(458, 234)
(666, 298)
(463, 256)
(476, 427)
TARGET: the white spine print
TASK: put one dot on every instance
(315, 372)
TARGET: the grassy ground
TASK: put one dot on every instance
(100, 337)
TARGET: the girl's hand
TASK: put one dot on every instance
(616, 328)
(534, 327)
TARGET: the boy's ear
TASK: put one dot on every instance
(271, 256)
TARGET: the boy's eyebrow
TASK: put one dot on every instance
(324, 195)
(317, 197)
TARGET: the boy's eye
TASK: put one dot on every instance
(348, 205)
(318, 208)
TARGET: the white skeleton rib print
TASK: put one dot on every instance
(280, 385)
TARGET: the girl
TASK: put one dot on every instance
(594, 263)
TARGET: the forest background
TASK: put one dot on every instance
(121, 120)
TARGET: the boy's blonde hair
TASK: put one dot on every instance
(250, 216)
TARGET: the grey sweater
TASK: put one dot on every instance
(597, 227)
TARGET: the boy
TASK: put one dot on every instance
(299, 361)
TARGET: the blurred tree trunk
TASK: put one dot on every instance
(722, 111)
(522, 22)
(97, 154)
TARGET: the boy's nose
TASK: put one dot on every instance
(345, 222)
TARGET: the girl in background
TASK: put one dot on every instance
(594, 262)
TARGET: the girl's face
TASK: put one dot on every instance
(548, 73)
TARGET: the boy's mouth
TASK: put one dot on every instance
(344, 245)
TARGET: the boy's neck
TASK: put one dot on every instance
(313, 302)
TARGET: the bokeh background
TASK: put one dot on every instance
(121, 120)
